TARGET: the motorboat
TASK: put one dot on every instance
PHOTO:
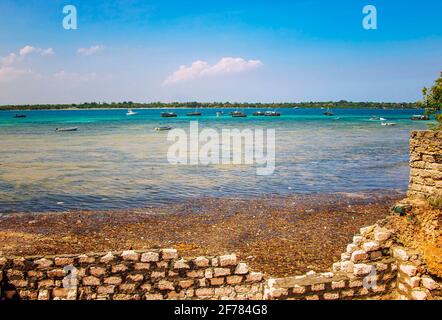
(420, 117)
(66, 129)
(130, 112)
(259, 113)
(388, 124)
(238, 114)
(163, 128)
(328, 112)
(20, 116)
(168, 115)
(272, 114)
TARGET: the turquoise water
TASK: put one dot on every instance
(115, 162)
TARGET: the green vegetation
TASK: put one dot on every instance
(432, 102)
(130, 104)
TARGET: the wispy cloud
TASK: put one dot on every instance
(73, 76)
(91, 50)
(199, 68)
(8, 64)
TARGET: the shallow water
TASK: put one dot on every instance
(115, 162)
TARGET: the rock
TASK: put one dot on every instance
(370, 246)
(201, 262)
(366, 230)
(429, 283)
(359, 255)
(221, 272)
(242, 268)
(165, 285)
(409, 269)
(347, 266)
(400, 253)
(419, 295)
(382, 235)
(362, 269)
(357, 240)
(227, 260)
(181, 264)
(254, 277)
(150, 257)
(43, 263)
(109, 257)
(351, 248)
(130, 255)
(91, 281)
(169, 254)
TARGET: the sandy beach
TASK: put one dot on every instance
(279, 236)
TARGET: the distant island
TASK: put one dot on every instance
(193, 105)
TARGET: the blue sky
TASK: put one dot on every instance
(306, 50)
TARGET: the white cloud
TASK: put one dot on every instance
(90, 51)
(9, 59)
(9, 73)
(48, 52)
(226, 65)
(73, 76)
(28, 50)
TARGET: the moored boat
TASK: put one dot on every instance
(163, 128)
(328, 112)
(259, 113)
(238, 114)
(130, 112)
(388, 124)
(66, 129)
(417, 117)
(20, 116)
(272, 114)
(168, 115)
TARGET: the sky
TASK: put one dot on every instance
(237, 51)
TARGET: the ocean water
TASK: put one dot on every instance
(116, 161)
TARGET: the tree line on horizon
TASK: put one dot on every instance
(193, 105)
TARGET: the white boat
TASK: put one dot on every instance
(376, 118)
(388, 124)
(219, 113)
(130, 112)
(66, 129)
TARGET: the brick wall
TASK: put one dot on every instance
(155, 274)
(425, 164)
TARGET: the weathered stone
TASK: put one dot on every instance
(91, 281)
(130, 255)
(195, 273)
(119, 268)
(204, 292)
(43, 295)
(234, 279)
(97, 271)
(359, 255)
(83, 258)
(227, 260)
(409, 269)
(61, 261)
(43, 263)
(108, 258)
(254, 277)
(241, 268)
(169, 254)
(381, 236)
(165, 285)
(351, 248)
(146, 287)
(135, 277)
(221, 272)
(201, 262)
(47, 283)
(113, 280)
(106, 289)
(208, 273)
(141, 266)
(366, 230)
(362, 269)
(429, 283)
(216, 281)
(296, 289)
(375, 255)
(128, 287)
(157, 274)
(181, 264)
(214, 262)
(400, 253)
(331, 296)
(318, 287)
(370, 246)
(155, 296)
(150, 257)
(186, 284)
(357, 240)
(56, 273)
(338, 284)
(419, 295)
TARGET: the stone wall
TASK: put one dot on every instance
(425, 164)
(149, 275)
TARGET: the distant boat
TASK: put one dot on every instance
(259, 113)
(272, 114)
(130, 112)
(20, 116)
(168, 115)
(376, 118)
(420, 117)
(193, 114)
(328, 112)
(219, 113)
(238, 114)
(164, 128)
(66, 129)
(388, 124)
